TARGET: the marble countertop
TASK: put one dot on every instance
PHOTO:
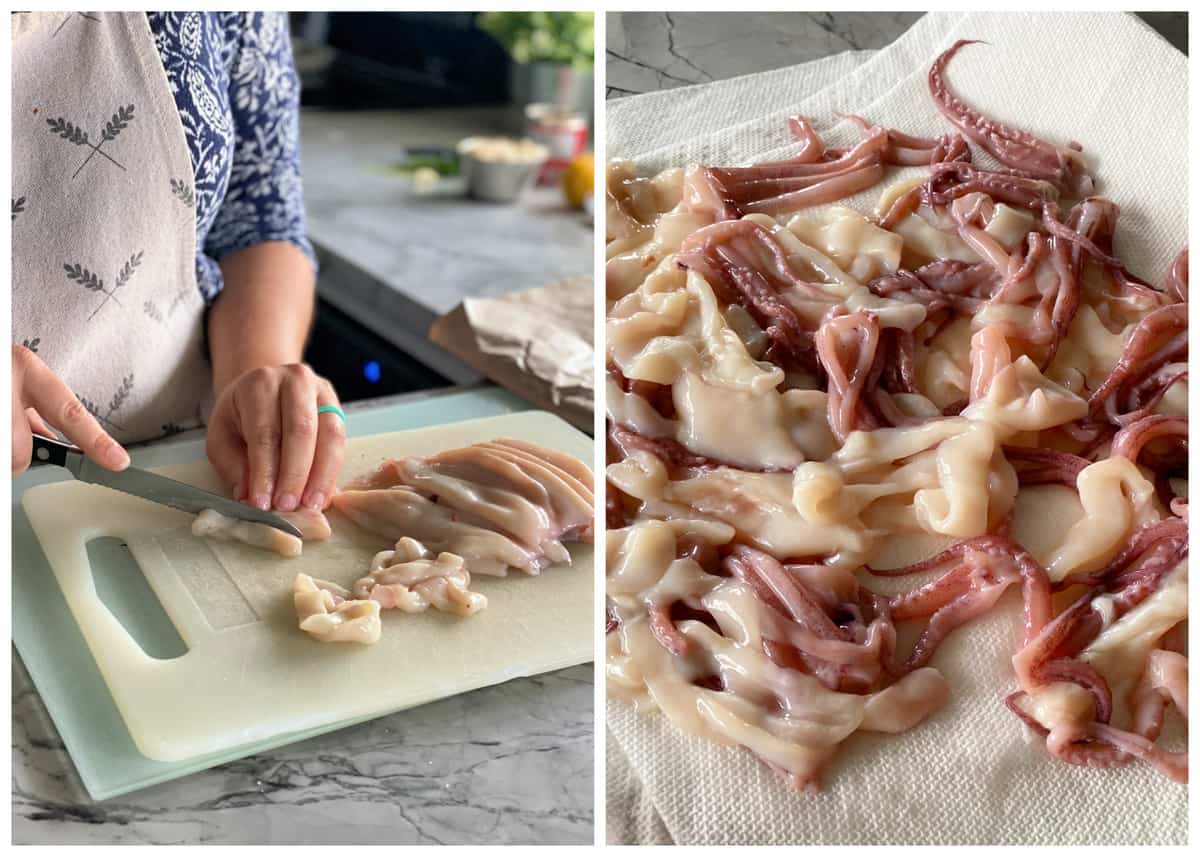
(651, 51)
(506, 764)
(423, 254)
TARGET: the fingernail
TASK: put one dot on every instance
(117, 457)
(237, 490)
(262, 501)
(285, 503)
(316, 501)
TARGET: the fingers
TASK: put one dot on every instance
(23, 431)
(256, 402)
(22, 439)
(267, 441)
(38, 424)
(298, 419)
(41, 389)
(331, 447)
(227, 453)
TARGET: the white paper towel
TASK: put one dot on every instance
(691, 112)
(970, 775)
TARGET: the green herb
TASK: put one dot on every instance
(443, 165)
(558, 37)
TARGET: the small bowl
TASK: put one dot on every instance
(499, 169)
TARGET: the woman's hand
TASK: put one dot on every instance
(36, 390)
(265, 439)
(268, 443)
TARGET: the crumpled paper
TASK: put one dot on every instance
(971, 774)
(538, 343)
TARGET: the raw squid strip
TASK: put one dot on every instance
(1012, 147)
(313, 526)
(981, 569)
(502, 504)
(846, 346)
(812, 148)
(397, 512)
(809, 179)
(946, 284)
(1158, 340)
(728, 256)
(1132, 439)
(906, 150)
(483, 509)
(1109, 637)
(1045, 466)
(728, 673)
(952, 180)
(1177, 279)
(327, 612)
(825, 189)
(409, 579)
(405, 578)
(794, 395)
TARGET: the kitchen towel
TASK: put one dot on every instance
(538, 343)
(971, 774)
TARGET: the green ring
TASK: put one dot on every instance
(331, 409)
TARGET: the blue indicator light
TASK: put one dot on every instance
(371, 371)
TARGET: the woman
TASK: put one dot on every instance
(159, 255)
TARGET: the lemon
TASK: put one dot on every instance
(577, 180)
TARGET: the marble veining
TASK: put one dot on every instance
(505, 764)
(651, 51)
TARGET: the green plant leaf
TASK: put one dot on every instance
(560, 37)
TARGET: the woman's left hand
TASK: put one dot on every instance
(268, 443)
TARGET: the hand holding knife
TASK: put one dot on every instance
(150, 486)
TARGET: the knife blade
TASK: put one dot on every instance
(151, 486)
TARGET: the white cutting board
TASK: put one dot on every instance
(249, 673)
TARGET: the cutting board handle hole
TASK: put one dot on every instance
(122, 587)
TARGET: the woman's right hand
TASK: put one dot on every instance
(37, 391)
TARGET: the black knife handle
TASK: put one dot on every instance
(49, 451)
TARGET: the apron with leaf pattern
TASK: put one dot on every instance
(103, 222)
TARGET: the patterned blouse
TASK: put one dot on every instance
(238, 96)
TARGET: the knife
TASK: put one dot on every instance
(151, 486)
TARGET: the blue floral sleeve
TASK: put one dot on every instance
(264, 200)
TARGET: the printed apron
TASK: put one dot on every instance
(103, 222)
